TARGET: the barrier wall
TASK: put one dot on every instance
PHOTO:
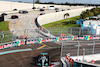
(47, 18)
(56, 39)
(44, 40)
(11, 44)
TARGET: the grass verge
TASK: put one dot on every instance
(4, 26)
(70, 22)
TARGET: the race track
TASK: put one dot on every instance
(26, 59)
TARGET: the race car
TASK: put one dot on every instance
(43, 60)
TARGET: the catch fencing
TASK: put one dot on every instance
(70, 31)
(76, 48)
(6, 36)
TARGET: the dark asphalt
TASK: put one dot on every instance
(25, 59)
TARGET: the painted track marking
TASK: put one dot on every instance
(44, 45)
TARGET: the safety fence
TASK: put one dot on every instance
(70, 31)
(77, 48)
(6, 36)
(40, 32)
(44, 40)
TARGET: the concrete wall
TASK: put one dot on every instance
(48, 18)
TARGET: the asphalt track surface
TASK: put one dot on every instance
(26, 59)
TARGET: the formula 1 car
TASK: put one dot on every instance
(43, 60)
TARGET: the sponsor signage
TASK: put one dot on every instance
(12, 44)
(7, 45)
(79, 38)
(15, 44)
(46, 40)
(21, 43)
(96, 37)
(42, 40)
(54, 39)
(90, 37)
(64, 38)
(1, 46)
(30, 42)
